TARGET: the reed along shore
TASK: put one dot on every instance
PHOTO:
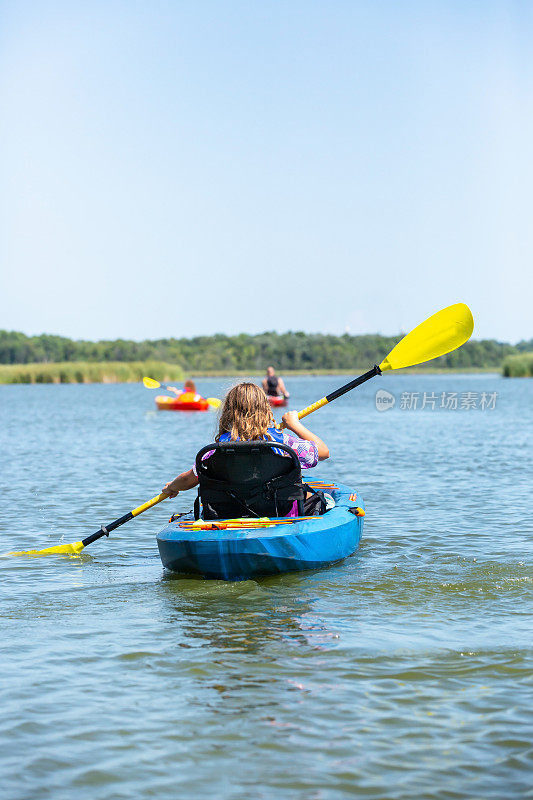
(90, 372)
(518, 366)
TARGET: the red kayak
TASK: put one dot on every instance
(185, 402)
(276, 400)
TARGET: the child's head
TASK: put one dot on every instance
(245, 413)
(189, 386)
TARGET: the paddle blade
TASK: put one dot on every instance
(440, 334)
(214, 402)
(61, 549)
(151, 384)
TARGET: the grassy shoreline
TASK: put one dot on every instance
(518, 366)
(89, 372)
(134, 371)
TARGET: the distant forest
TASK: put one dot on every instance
(287, 351)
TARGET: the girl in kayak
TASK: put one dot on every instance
(246, 416)
(274, 386)
(189, 388)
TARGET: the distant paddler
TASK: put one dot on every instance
(274, 388)
(189, 389)
(187, 399)
(273, 385)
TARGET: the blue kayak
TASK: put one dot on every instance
(236, 554)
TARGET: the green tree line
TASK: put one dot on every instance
(287, 351)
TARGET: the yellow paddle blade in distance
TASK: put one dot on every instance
(72, 549)
(151, 384)
(214, 402)
(440, 334)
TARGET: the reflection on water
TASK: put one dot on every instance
(248, 618)
(402, 672)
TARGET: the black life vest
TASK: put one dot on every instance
(272, 385)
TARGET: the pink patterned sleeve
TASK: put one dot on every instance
(307, 452)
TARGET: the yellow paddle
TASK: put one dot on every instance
(77, 547)
(441, 333)
(150, 383)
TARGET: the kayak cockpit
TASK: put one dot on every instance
(245, 548)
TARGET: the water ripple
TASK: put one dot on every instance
(403, 672)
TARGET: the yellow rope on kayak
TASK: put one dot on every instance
(241, 522)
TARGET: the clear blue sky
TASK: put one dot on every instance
(179, 168)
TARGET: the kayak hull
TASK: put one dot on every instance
(245, 553)
(276, 401)
(165, 403)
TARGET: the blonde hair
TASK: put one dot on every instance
(245, 414)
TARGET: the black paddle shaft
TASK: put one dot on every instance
(356, 382)
(106, 529)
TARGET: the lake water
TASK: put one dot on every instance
(403, 672)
